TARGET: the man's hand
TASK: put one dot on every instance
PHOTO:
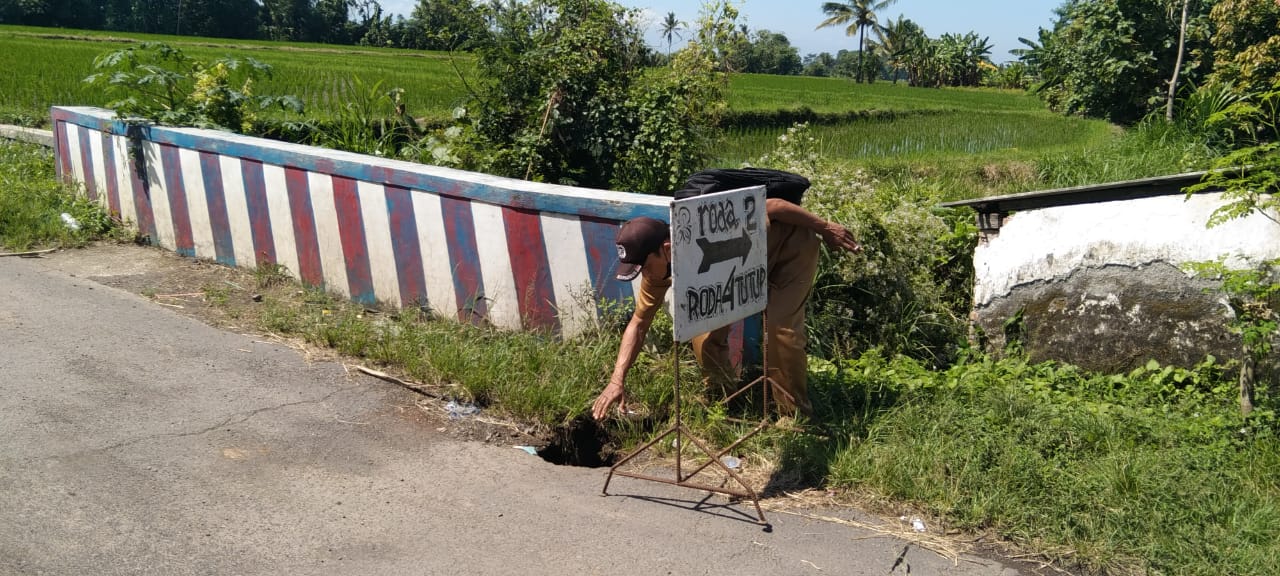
(837, 236)
(613, 394)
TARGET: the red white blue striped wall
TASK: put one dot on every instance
(515, 254)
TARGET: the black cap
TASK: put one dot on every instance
(636, 240)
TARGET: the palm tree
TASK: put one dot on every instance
(671, 27)
(856, 16)
(897, 39)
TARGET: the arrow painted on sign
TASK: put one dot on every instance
(723, 251)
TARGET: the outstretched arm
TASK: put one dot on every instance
(835, 235)
(615, 392)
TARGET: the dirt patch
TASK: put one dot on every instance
(1011, 174)
(233, 299)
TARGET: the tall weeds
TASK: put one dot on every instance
(1151, 472)
(32, 202)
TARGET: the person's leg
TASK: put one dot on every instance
(712, 352)
(791, 278)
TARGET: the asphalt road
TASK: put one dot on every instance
(134, 440)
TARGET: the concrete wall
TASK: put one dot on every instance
(24, 134)
(1102, 285)
(516, 254)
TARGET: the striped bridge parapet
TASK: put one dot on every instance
(479, 248)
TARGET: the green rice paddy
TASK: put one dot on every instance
(893, 128)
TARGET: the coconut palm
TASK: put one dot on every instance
(671, 27)
(856, 16)
(897, 39)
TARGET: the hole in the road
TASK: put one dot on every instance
(581, 442)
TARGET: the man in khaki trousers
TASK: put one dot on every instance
(644, 249)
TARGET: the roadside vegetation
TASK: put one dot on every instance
(1150, 472)
(33, 204)
(1154, 471)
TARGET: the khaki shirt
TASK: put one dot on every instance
(651, 295)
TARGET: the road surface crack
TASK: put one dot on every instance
(233, 419)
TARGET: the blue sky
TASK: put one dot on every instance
(1002, 21)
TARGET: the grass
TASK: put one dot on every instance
(319, 74)
(1152, 472)
(1152, 148)
(921, 138)
(532, 377)
(965, 154)
(32, 203)
(954, 156)
(763, 92)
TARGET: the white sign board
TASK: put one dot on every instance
(718, 266)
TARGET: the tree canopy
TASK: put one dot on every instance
(562, 96)
(1112, 59)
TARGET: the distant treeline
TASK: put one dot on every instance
(434, 24)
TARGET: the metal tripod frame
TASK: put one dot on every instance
(679, 429)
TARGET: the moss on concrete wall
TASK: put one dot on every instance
(1114, 318)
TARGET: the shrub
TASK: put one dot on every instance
(562, 96)
(909, 290)
(1246, 48)
(158, 83)
(1203, 114)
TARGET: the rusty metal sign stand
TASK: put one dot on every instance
(680, 430)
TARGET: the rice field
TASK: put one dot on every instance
(902, 127)
(318, 74)
(928, 136)
(752, 92)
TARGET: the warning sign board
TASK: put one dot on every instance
(718, 266)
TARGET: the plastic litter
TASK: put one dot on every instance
(70, 221)
(530, 449)
(730, 462)
(917, 524)
(457, 410)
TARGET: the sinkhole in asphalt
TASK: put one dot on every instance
(582, 442)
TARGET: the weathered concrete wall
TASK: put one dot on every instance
(24, 134)
(1103, 286)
